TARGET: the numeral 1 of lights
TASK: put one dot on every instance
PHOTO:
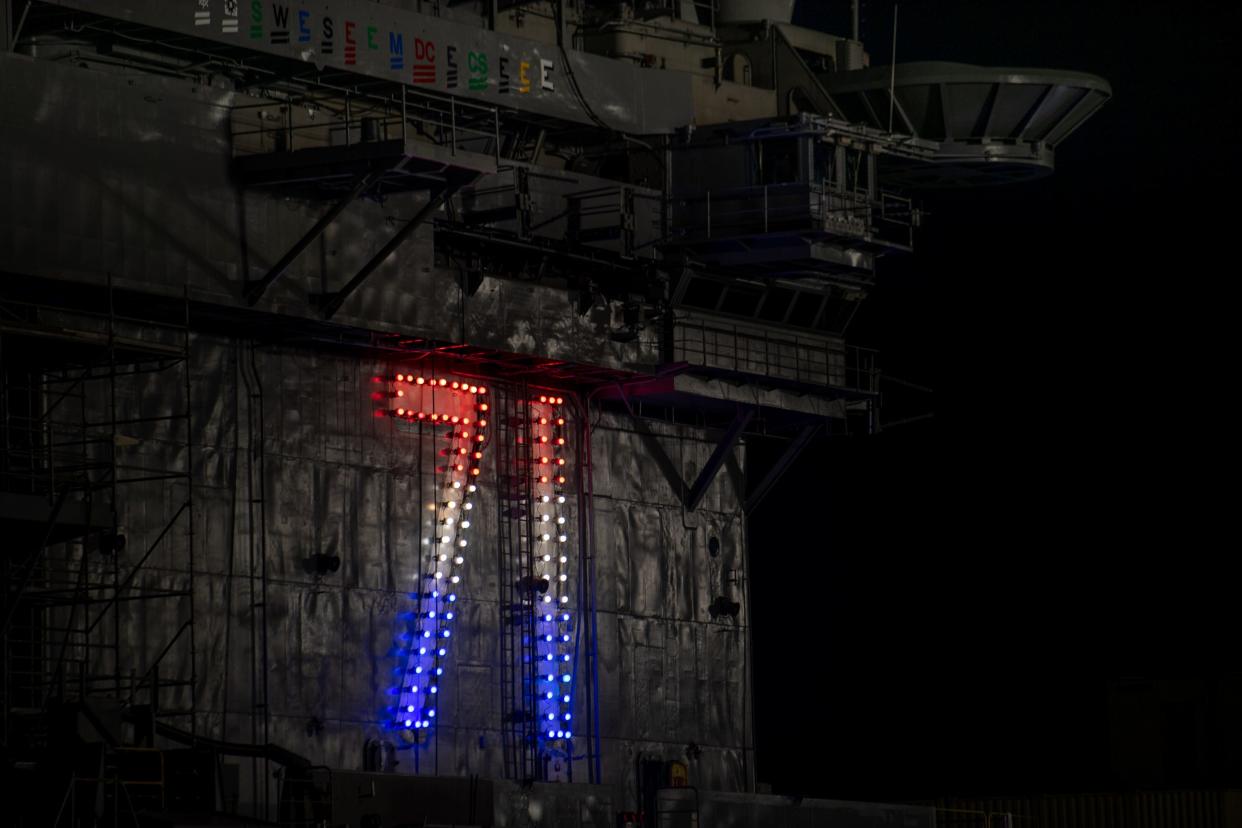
(554, 627)
(457, 414)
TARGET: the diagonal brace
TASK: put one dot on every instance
(723, 449)
(330, 303)
(255, 288)
(657, 452)
(781, 465)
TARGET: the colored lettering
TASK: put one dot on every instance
(450, 62)
(396, 51)
(327, 33)
(476, 62)
(351, 47)
(424, 61)
(280, 16)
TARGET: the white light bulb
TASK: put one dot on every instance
(451, 504)
(564, 559)
(547, 599)
(459, 560)
(448, 521)
(472, 488)
(545, 536)
(456, 579)
(446, 539)
(461, 542)
(469, 506)
(563, 538)
(563, 577)
(465, 524)
(545, 518)
(442, 557)
(456, 484)
(560, 519)
(560, 498)
(547, 558)
(439, 574)
(545, 498)
(564, 599)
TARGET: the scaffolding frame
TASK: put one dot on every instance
(66, 472)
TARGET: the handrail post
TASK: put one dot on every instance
(496, 129)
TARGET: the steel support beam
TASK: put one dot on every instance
(657, 452)
(723, 449)
(781, 466)
(255, 288)
(330, 303)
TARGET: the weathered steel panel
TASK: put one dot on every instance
(339, 480)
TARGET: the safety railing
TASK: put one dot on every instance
(789, 357)
(966, 818)
(747, 211)
(339, 119)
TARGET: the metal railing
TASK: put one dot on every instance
(744, 211)
(802, 359)
(336, 119)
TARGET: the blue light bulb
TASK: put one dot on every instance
(426, 633)
(447, 633)
(549, 694)
(565, 617)
(442, 652)
(431, 713)
(565, 637)
(565, 657)
(418, 669)
(551, 734)
(431, 614)
(452, 597)
(568, 716)
(547, 638)
(547, 618)
(409, 709)
(560, 733)
(439, 671)
(565, 678)
(551, 677)
(435, 593)
(408, 722)
(551, 717)
(434, 689)
(422, 651)
(448, 615)
(567, 700)
(568, 735)
(549, 656)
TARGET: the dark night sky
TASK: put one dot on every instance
(949, 628)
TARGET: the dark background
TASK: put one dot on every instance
(955, 606)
